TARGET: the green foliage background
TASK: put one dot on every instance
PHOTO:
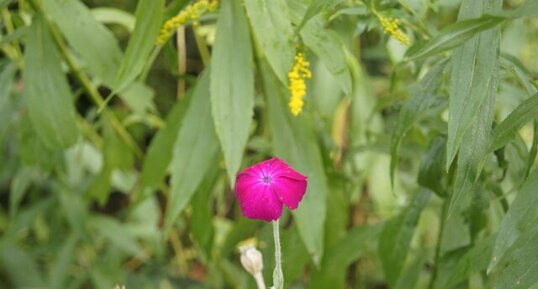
(116, 167)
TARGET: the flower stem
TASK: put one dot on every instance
(278, 276)
(259, 280)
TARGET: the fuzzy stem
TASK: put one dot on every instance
(278, 276)
(259, 280)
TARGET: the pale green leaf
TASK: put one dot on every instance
(92, 41)
(295, 141)
(46, 93)
(272, 29)
(149, 14)
(232, 84)
(195, 151)
(423, 96)
(110, 15)
(473, 73)
(117, 234)
(396, 237)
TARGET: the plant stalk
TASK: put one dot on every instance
(278, 276)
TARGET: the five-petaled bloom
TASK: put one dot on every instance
(262, 189)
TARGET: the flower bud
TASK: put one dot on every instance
(251, 259)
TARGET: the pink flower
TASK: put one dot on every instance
(262, 189)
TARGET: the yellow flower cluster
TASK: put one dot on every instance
(390, 25)
(191, 13)
(297, 84)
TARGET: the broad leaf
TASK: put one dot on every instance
(46, 93)
(232, 84)
(195, 151)
(295, 141)
(148, 15)
(272, 29)
(159, 153)
(423, 96)
(92, 41)
(473, 76)
(396, 237)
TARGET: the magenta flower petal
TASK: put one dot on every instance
(256, 199)
(262, 189)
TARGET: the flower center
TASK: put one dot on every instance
(267, 179)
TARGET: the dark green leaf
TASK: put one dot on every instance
(473, 77)
(96, 45)
(195, 151)
(453, 36)
(341, 255)
(410, 275)
(20, 267)
(202, 214)
(423, 96)
(47, 95)
(118, 235)
(148, 15)
(59, 269)
(396, 237)
(475, 260)
(232, 84)
(272, 29)
(159, 153)
(505, 131)
(521, 218)
(295, 141)
(431, 174)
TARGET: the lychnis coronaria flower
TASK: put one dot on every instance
(262, 189)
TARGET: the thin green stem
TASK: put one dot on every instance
(202, 46)
(435, 267)
(278, 276)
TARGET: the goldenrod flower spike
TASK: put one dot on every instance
(297, 84)
(190, 13)
(391, 27)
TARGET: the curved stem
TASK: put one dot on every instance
(278, 276)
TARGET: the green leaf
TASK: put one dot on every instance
(431, 174)
(201, 221)
(453, 36)
(195, 151)
(92, 41)
(118, 235)
(475, 260)
(159, 153)
(505, 131)
(19, 185)
(410, 275)
(232, 84)
(521, 218)
(109, 15)
(529, 8)
(396, 237)
(272, 29)
(59, 269)
(473, 76)
(335, 262)
(519, 267)
(74, 210)
(19, 267)
(313, 9)
(7, 81)
(47, 95)
(148, 15)
(423, 96)
(295, 141)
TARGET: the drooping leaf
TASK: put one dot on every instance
(475, 260)
(232, 84)
(109, 15)
(148, 15)
(272, 29)
(46, 94)
(432, 173)
(473, 74)
(505, 131)
(423, 96)
(453, 36)
(336, 260)
(92, 41)
(396, 237)
(295, 141)
(160, 150)
(195, 151)
(521, 218)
